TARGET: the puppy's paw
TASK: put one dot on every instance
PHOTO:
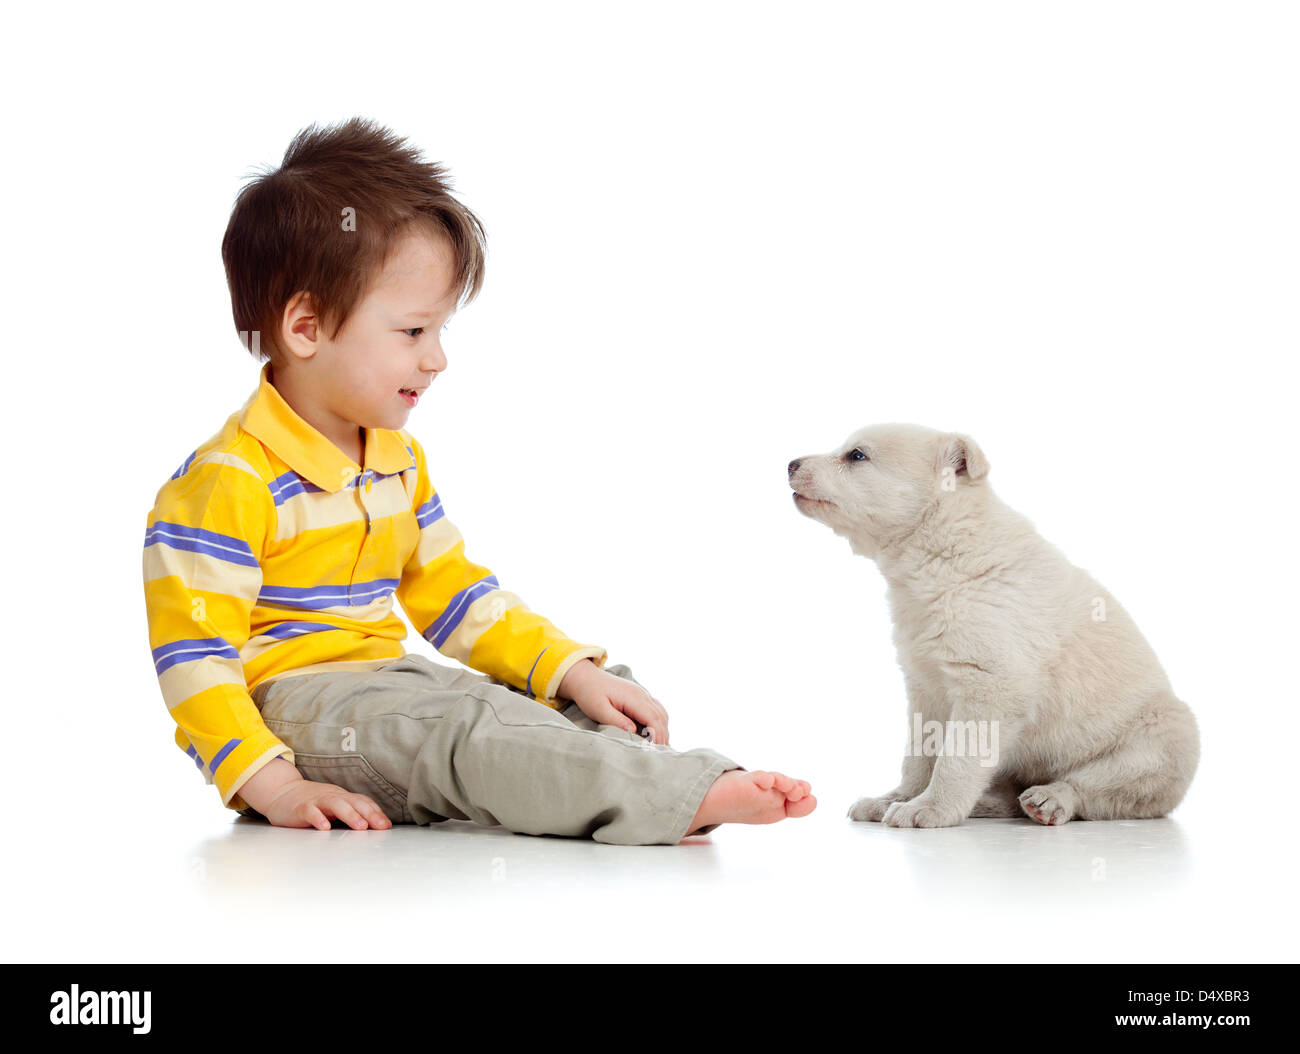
(921, 813)
(1051, 804)
(872, 809)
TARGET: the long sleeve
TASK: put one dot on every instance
(202, 575)
(459, 607)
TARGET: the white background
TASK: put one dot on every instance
(720, 236)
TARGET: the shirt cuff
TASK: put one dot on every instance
(554, 663)
(231, 799)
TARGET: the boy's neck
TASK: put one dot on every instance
(359, 453)
(354, 449)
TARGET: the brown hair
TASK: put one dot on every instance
(289, 228)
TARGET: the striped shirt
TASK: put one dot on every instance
(270, 553)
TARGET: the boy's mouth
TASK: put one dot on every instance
(410, 394)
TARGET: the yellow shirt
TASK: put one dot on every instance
(269, 553)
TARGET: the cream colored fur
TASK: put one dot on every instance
(992, 624)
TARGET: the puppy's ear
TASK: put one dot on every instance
(960, 454)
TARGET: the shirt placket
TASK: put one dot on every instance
(362, 490)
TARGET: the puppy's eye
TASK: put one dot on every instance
(856, 455)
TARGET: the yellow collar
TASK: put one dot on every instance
(272, 420)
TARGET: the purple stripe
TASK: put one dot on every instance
(528, 684)
(165, 656)
(454, 613)
(197, 540)
(221, 755)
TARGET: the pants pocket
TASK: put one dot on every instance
(354, 773)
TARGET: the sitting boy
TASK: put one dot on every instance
(273, 554)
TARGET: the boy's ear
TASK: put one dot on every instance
(960, 453)
(299, 324)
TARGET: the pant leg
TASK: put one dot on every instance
(576, 777)
(430, 742)
(361, 730)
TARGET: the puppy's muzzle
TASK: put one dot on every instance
(800, 482)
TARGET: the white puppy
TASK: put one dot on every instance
(1002, 642)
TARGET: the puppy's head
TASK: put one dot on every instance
(880, 482)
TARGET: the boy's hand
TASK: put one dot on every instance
(278, 791)
(611, 700)
(308, 804)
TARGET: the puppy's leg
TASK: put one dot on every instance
(917, 765)
(957, 784)
(981, 705)
(916, 774)
(1145, 776)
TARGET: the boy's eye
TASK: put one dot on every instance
(415, 331)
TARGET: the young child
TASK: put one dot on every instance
(272, 556)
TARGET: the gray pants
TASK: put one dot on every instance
(429, 743)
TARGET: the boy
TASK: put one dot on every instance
(272, 556)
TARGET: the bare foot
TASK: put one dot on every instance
(738, 796)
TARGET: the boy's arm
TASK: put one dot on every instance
(459, 607)
(203, 543)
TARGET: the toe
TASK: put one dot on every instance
(802, 807)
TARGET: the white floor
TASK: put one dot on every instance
(1205, 885)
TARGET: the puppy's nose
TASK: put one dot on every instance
(793, 467)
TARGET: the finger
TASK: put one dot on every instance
(659, 708)
(372, 812)
(621, 715)
(316, 818)
(608, 712)
(641, 707)
(342, 808)
(658, 718)
(653, 717)
(663, 718)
